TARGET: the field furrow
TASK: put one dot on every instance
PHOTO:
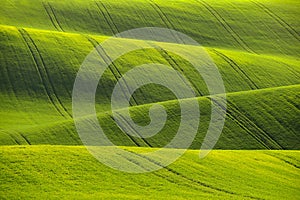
(191, 180)
(55, 17)
(38, 63)
(14, 138)
(112, 67)
(132, 130)
(165, 19)
(293, 163)
(226, 26)
(252, 45)
(130, 137)
(28, 142)
(264, 175)
(177, 67)
(102, 8)
(244, 126)
(52, 16)
(252, 128)
(284, 24)
(238, 69)
(42, 69)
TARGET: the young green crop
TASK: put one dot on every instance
(255, 45)
(253, 26)
(65, 172)
(37, 83)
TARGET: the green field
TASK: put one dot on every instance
(70, 172)
(254, 44)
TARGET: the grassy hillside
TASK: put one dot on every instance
(256, 47)
(254, 26)
(254, 121)
(39, 68)
(40, 172)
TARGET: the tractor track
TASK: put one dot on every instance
(237, 68)
(295, 105)
(250, 123)
(243, 126)
(281, 124)
(157, 174)
(115, 71)
(278, 19)
(282, 159)
(52, 16)
(136, 132)
(165, 20)
(226, 26)
(177, 67)
(186, 178)
(249, 126)
(107, 17)
(44, 74)
(131, 138)
(25, 138)
(14, 138)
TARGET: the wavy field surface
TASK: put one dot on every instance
(255, 46)
(65, 172)
(39, 96)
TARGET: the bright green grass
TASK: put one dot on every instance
(63, 53)
(255, 120)
(66, 172)
(259, 26)
(255, 45)
(37, 84)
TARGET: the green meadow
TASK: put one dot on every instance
(70, 172)
(255, 46)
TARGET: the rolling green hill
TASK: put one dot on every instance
(46, 63)
(255, 45)
(63, 172)
(253, 121)
(255, 26)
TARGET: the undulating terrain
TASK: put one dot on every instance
(254, 44)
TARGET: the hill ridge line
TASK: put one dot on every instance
(207, 48)
(202, 97)
(227, 94)
(104, 36)
(163, 102)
